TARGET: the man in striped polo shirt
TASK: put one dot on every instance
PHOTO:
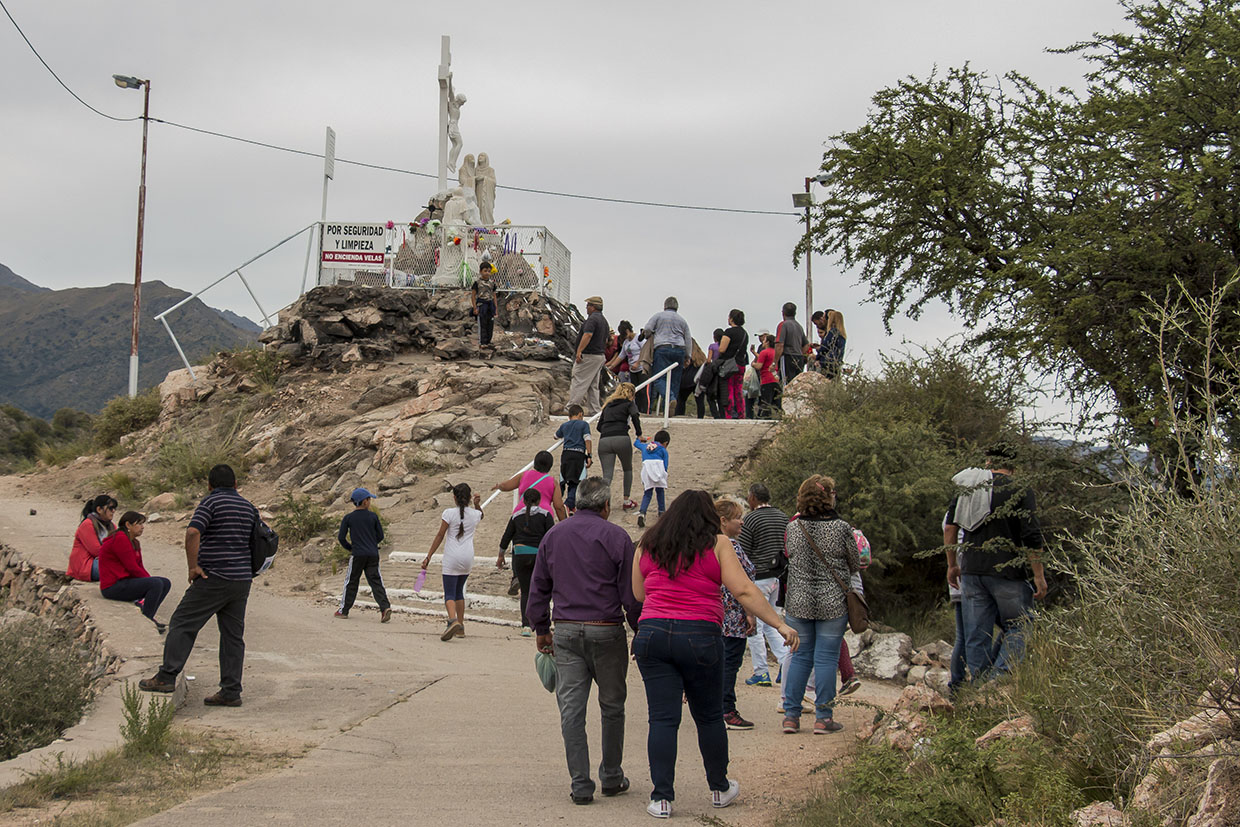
(762, 538)
(217, 551)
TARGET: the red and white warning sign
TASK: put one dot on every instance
(353, 245)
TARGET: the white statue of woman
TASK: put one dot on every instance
(455, 102)
(484, 188)
(467, 175)
(454, 226)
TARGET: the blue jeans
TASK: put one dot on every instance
(989, 599)
(454, 586)
(665, 355)
(819, 651)
(958, 674)
(646, 499)
(682, 658)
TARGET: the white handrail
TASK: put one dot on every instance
(667, 371)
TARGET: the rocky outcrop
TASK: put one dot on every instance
(337, 325)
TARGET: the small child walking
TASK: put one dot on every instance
(360, 534)
(456, 532)
(575, 457)
(525, 531)
(654, 472)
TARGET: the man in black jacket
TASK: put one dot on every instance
(1001, 548)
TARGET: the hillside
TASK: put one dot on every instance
(70, 348)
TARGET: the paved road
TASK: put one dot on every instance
(398, 723)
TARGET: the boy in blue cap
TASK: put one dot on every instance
(360, 534)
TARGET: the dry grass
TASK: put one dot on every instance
(118, 788)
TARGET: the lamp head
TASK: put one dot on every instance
(126, 82)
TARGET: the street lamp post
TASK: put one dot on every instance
(126, 82)
(806, 200)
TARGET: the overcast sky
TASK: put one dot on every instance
(722, 104)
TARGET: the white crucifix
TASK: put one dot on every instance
(450, 103)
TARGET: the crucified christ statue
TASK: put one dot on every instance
(455, 102)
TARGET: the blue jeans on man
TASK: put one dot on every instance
(990, 599)
(665, 355)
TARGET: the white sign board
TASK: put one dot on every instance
(329, 154)
(353, 245)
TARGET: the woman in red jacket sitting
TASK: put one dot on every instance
(96, 526)
(121, 574)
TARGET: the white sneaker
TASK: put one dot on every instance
(660, 808)
(724, 798)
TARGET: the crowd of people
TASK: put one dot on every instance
(709, 580)
(736, 377)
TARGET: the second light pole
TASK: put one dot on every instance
(126, 82)
(806, 200)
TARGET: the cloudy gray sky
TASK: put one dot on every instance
(722, 104)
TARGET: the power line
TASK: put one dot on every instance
(53, 73)
(402, 171)
(380, 167)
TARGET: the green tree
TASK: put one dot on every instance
(1055, 224)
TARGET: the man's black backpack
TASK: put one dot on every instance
(264, 543)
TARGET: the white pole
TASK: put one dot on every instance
(667, 398)
(445, 69)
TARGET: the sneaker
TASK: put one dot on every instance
(792, 726)
(850, 686)
(159, 627)
(629, 505)
(342, 615)
(460, 628)
(156, 685)
(733, 720)
(825, 726)
(759, 679)
(449, 631)
(660, 809)
(722, 798)
(806, 707)
(581, 799)
(514, 586)
(641, 520)
(386, 616)
(622, 787)
(219, 699)
(780, 677)
(526, 631)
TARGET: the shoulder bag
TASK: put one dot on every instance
(858, 610)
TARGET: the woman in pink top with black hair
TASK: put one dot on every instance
(679, 566)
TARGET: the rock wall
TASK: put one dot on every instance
(50, 595)
(335, 325)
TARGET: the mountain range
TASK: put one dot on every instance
(70, 348)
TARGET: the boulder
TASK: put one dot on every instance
(916, 674)
(799, 393)
(1021, 727)
(161, 502)
(1099, 814)
(922, 699)
(886, 657)
(1220, 801)
(1202, 728)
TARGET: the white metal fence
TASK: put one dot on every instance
(429, 256)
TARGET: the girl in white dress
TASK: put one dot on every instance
(456, 532)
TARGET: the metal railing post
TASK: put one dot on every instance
(177, 345)
(667, 398)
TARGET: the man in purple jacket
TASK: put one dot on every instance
(584, 567)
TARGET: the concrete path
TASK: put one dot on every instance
(398, 724)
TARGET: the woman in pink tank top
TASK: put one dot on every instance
(680, 564)
(542, 480)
